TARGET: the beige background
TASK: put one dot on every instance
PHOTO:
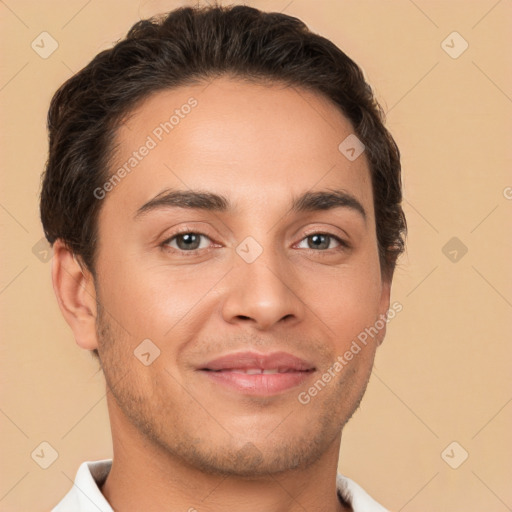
(443, 373)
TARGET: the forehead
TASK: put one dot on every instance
(259, 144)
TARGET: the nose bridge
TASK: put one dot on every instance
(260, 286)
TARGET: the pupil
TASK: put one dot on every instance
(189, 239)
(317, 238)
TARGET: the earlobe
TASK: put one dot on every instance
(74, 287)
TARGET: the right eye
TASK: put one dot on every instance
(186, 241)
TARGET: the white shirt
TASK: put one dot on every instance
(85, 495)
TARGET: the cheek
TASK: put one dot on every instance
(348, 305)
(156, 301)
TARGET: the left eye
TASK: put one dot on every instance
(186, 241)
(321, 241)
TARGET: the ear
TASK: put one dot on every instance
(385, 295)
(74, 287)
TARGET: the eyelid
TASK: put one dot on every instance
(186, 229)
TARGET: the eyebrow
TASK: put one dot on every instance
(209, 201)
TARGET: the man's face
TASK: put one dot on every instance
(256, 277)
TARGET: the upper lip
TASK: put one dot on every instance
(245, 360)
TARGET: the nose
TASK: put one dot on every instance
(262, 293)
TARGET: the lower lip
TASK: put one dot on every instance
(260, 384)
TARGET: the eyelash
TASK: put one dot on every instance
(186, 231)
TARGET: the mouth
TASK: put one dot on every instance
(256, 371)
(258, 374)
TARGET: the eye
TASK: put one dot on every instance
(188, 241)
(322, 241)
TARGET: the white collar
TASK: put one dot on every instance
(85, 495)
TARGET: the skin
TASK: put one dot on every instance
(179, 439)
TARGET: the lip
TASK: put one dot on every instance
(288, 371)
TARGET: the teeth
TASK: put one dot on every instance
(255, 371)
